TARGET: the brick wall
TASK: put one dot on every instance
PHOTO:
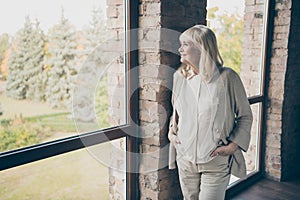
(156, 64)
(114, 50)
(155, 69)
(278, 68)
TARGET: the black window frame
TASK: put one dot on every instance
(17, 157)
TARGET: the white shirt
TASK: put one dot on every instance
(196, 106)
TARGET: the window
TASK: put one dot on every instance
(75, 174)
(241, 29)
(86, 94)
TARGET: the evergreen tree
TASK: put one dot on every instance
(34, 69)
(62, 63)
(20, 55)
(96, 33)
(25, 66)
(91, 59)
(4, 46)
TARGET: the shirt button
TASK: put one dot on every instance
(218, 130)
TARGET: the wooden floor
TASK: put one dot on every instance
(271, 190)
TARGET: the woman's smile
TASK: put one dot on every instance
(190, 55)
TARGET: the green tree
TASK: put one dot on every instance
(93, 36)
(229, 31)
(20, 55)
(62, 48)
(92, 64)
(34, 69)
(4, 46)
(25, 77)
(96, 33)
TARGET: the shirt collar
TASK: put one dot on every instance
(190, 73)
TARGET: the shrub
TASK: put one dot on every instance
(18, 133)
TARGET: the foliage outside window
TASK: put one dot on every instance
(38, 74)
(229, 30)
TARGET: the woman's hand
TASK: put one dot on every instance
(225, 150)
(173, 138)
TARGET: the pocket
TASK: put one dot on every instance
(218, 164)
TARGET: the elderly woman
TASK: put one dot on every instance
(211, 121)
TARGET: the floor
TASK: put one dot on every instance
(271, 190)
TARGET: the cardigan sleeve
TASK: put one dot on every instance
(243, 115)
(173, 124)
(174, 117)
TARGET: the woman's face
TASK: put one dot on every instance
(190, 55)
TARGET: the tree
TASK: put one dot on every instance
(4, 47)
(62, 47)
(229, 31)
(34, 69)
(25, 77)
(96, 32)
(20, 55)
(92, 37)
(3, 66)
(92, 64)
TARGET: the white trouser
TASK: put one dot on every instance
(204, 181)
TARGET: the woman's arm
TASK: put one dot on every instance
(241, 132)
(240, 135)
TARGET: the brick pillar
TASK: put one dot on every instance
(114, 50)
(155, 77)
(278, 69)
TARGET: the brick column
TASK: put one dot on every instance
(278, 69)
(114, 50)
(155, 77)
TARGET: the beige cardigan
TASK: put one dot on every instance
(235, 126)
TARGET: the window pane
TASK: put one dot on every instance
(62, 74)
(84, 174)
(252, 156)
(239, 26)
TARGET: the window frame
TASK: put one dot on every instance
(263, 99)
(21, 156)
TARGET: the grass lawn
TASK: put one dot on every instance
(75, 175)
(26, 108)
(54, 123)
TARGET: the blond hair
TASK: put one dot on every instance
(205, 40)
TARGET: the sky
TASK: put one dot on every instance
(228, 5)
(48, 12)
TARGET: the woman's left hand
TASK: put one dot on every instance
(225, 150)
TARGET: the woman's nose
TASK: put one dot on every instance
(180, 49)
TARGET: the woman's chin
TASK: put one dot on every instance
(183, 61)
